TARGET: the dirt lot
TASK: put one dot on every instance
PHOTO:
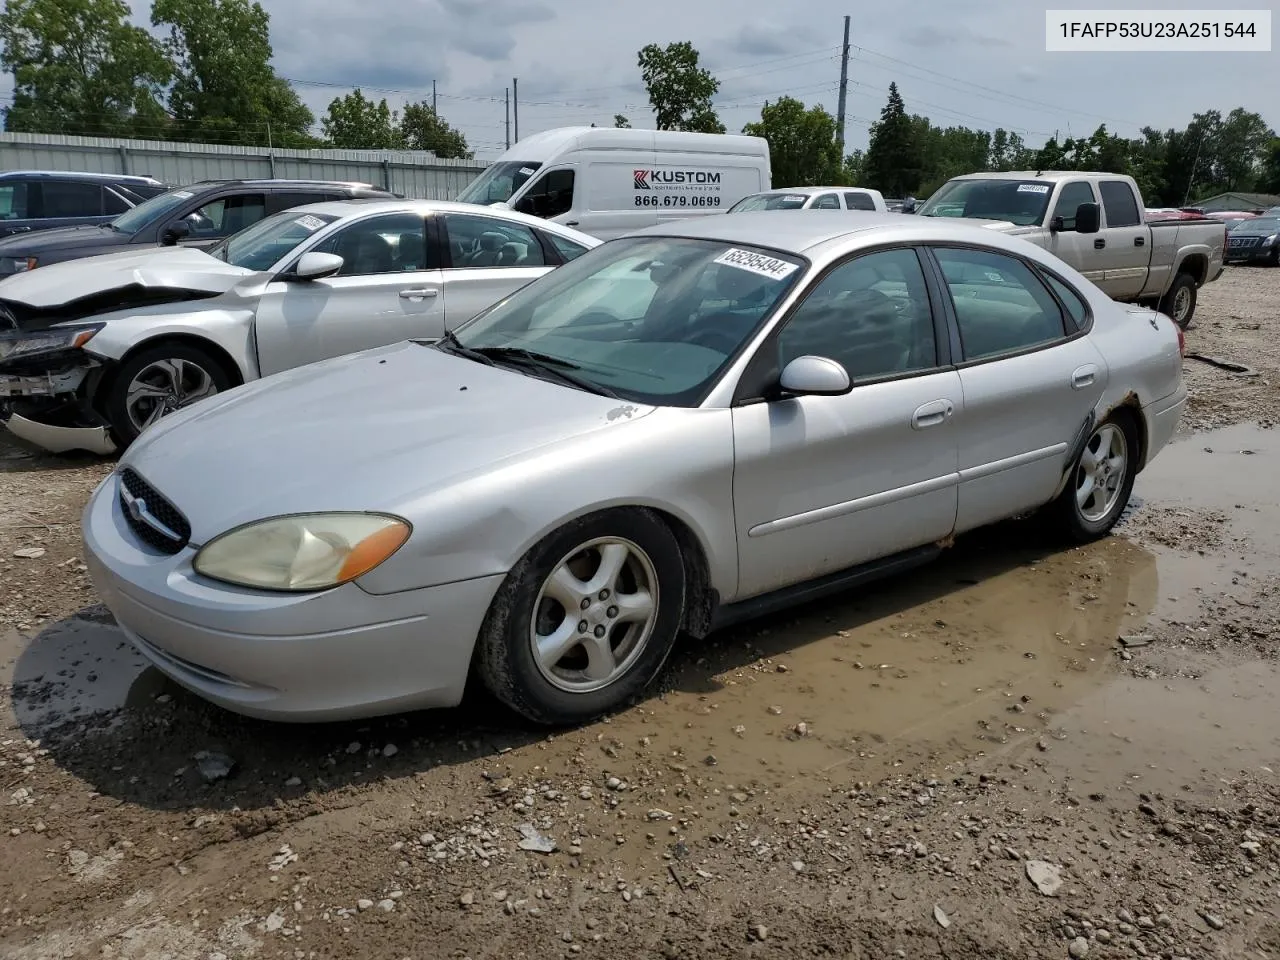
(965, 762)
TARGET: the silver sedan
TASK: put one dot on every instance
(679, 429)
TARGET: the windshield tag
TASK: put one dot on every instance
(308, 222)
(794, 199)
(184, 194)
(525, 171)
(757, 263)
(1033, 188)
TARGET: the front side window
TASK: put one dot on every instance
(1000, 304)
(859, 201)
(1069, 200)
(650, 319)
(391, 243)
(499, 182)
(1120, 204)
(157, 208)
(64, 199)
(1021, 202)
(227, 215)
(828, 201)
(550, 197)
(13, 200)
(478, 241)
(269, 241)
(870, 314)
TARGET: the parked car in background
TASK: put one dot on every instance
(41, 200)
(100, 349)
(1095, 222)
(607, 182)
(1256, 240)
(198, 215)
(1231, 216)
(813, 198)
(1231, 223)
(680, 429)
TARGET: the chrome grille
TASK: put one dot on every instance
(155, 520)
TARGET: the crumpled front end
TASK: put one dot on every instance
(46, 382)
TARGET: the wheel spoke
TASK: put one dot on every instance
(138, 390)
(171, 370)
(1084, 493)
(601, 662)
(553, 646)
(633, 607)
(613, 556)
(205, 388)
(566, 589)
(1089, 461)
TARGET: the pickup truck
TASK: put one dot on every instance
(1095, 222)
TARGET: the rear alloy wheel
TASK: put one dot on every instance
(156, 381)
(1101, 481)
(586, 619)
(1180, 302)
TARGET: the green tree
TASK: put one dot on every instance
(225, 88)
(356, 123)
(621, 122)
(1269, 177)
(80, 67)
(893, 163)
(422, 128)
(679, 89)
(851, 168)
(1008, 152)
(802, 143)
(1240, 150)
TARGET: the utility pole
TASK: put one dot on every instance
(844, 90)
(508, 95)
(433, 98)
(515, 105)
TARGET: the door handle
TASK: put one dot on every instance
(1083, 376)
(572, 223)
(1099, 243)
(932, 414)
(418, 293)
(1139, 241)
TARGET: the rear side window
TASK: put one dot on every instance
(1119, 203)
(859, 201)
(286, 201)
(13, 200)
(1077, 310)
(65, 199)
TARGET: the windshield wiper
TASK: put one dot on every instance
(552, 367)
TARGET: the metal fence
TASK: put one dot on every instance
(414, 173)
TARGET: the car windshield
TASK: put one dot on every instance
(262, 245)
(1259, 225)
(650, 319)
(499, 182)
(769, 201)
(144, 214)
(1022, 202)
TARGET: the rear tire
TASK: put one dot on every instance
(1101, 481)
(586, 619)
(155, 381)
(1180, 302)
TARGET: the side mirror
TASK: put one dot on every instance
(815, 377)
(317, 266)
(179, 230)
(1088, 218)
(1055, 225)
(908, 206)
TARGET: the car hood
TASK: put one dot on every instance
(1254, 230)
(152, 268)
(369, 431)
(36, 242)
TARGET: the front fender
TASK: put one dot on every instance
(231, 330)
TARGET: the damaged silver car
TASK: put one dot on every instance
(94, 351)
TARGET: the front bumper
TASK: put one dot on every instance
(335, 655)
(44, 409)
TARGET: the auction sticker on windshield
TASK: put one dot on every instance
(1033, 188)
(184, 194)
(308, 222)
(757, 263)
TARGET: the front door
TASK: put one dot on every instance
(1028, 385)
(1077, 249)
(825, 483)
(1128, 240)
(488, 259)
(388, 290)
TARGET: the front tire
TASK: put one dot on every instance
(156, 381)
(1180, 302)
(1101, 481)
(586, 619)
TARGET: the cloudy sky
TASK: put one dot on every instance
(979, 63)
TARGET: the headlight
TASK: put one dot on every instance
(309, 551)
(19, 344)
(1270, 240)
(19, 264)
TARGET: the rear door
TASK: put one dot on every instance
(1030, 377)
(826, 201)
(389, 289)
(485, 259)
(1128, 239)
(69, 203)
(857, 200)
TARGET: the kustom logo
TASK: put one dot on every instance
(642, 180)
(645, 179)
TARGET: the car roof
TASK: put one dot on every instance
(799, 231)
(275, 182)
(374, 205)
(78, 175)
(807, 191)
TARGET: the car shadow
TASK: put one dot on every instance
(18, 456)
(129, 733)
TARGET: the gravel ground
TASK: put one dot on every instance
(1017, 752)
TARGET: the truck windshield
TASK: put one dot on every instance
(499, 182)
(1022, 202)
(770, 201)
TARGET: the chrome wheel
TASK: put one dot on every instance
(1101, 474)
(1182, 306)
(164, 386)
(594, 615)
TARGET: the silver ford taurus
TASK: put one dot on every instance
(679, 429)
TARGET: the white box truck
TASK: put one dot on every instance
(607, 182)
